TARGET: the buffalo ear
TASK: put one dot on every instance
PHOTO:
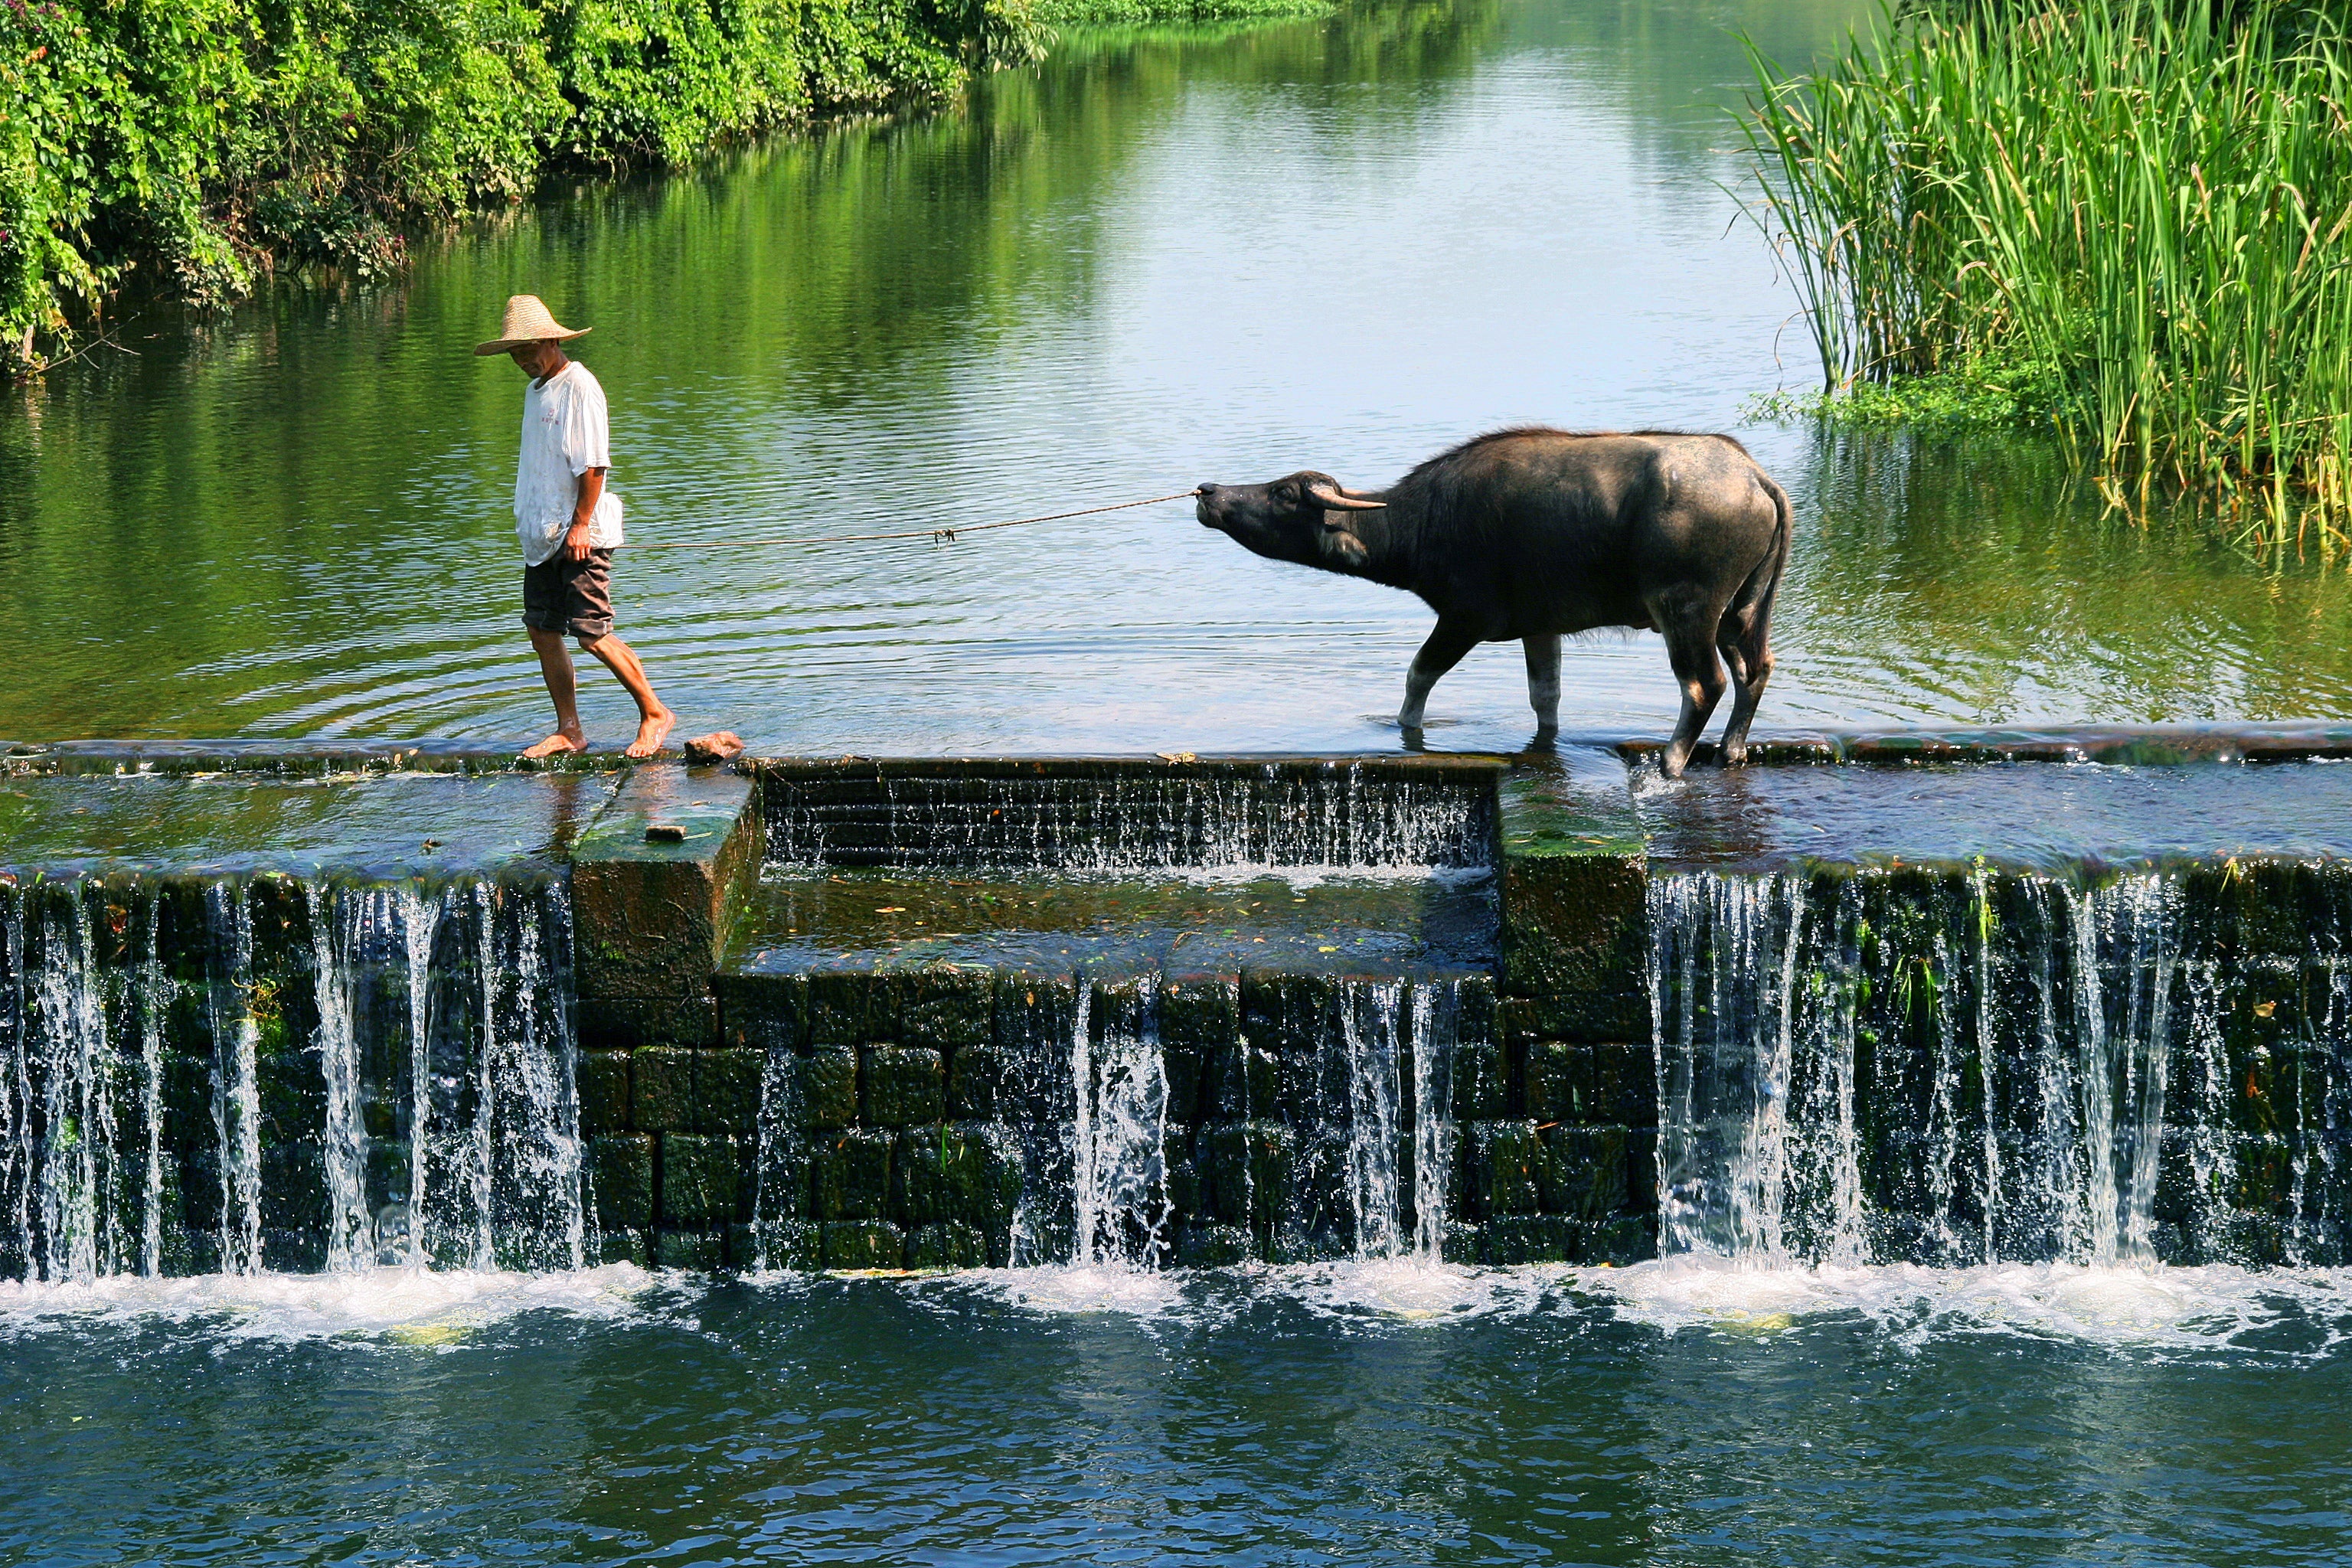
(1345, 546)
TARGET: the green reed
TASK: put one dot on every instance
(2150, 206)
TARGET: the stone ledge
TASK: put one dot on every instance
(653, 917)
(1575, 897)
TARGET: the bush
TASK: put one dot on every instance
(193, 145)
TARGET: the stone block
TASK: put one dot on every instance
(649, 917)
(1624, 1086)
(980, 1084)
(1642, 1170)
(1222, 1171)
(1035, 1010)
(864, 1244)
(604, 1078)
(950, 1244)
(278, 914)
(696, 1251)
(1289, 1013)
(849, 1175)
(1504, 1160)
(781, 1184)
(1514, 1021)
(727, 1090)
(1225, 1086)
(689, 1020)
(663, 1096)
(701, 1184)
(828, 1089)
(763, 1012)
(621, 1175)
(1211, 1246)
(919, 1185)
(795, 1244)
(1575, 891)
(1617, 1242)
(905, 1086)
(1200, 1023)
(1180, 1173)
(1550, 1071)
(852, 1007)
(1481, 1085)
(1530, 1238)
(1583, 1171)
(948, 1009)
(984, 1174)
(1463, 1243)
(1273, 1154)
(624, 1246)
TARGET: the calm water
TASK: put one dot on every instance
(1355, 1415)
(2032, 813)
(1138, 266)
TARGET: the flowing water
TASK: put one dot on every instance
(1953, 1160)
(286, 1075)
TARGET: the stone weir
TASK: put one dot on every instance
(265, 1008)
(1941, 1000)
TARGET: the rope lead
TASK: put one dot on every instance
(936, 535)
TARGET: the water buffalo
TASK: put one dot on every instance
(1537, 534)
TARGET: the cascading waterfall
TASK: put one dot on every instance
(137, 1135)
(236, 1089)
(1370, 1019)
(337, 929)
(1436, 1029)
(1951, 1067)
(1119, 1175)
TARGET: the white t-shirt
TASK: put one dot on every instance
(563, 436)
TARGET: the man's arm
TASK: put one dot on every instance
(592, 489)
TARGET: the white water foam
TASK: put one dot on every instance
(2121, 1307)
(1408, 1289)
(395, 1306)
(1076, 1289)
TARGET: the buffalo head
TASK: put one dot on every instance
(1305, 519)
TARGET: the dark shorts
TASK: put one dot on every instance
(576, 597)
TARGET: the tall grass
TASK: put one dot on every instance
(2148, 209)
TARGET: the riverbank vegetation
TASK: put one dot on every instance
(2130, 220)
(193, 148)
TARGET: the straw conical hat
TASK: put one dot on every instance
(528, 322)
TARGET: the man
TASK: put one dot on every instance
(569, 524)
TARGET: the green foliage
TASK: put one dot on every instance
(205, 142)
(2150, 204)
(1976, 393)
(1123, 13)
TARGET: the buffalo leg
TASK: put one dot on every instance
(1448, 641)
(1748, 650)
(1543, 682)
(1690, 647)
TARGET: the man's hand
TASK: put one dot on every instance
(591, 488)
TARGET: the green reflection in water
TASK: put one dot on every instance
(1154, 259)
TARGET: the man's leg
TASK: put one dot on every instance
(654, 721)
(563, 686)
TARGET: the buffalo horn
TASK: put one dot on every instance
(1332, 498)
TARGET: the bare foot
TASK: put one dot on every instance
(563, 741)
(652, 730)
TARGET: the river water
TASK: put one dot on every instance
(1144, 262)
(1141, 264)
